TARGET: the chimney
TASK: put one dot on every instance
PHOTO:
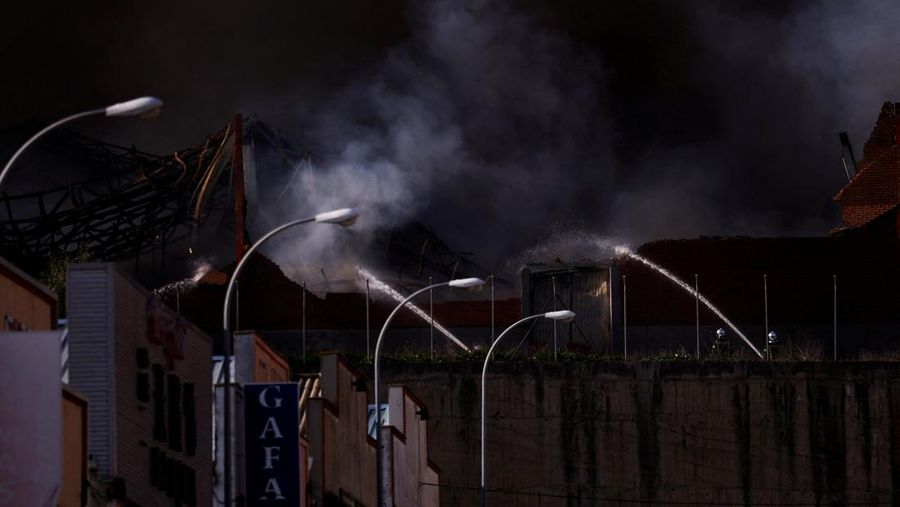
(847, 157)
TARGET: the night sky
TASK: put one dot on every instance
(497, 123)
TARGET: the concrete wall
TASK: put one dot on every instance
(343, 454)
(255, 361)
(413, 476)
(620, 433)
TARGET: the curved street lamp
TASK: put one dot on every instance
(561, 315)
(344, 217)
(462, 283)
(142, 106)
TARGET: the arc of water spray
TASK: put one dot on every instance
(187, 284)
(396, 296)
(622, 250)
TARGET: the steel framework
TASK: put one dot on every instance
(141, 203)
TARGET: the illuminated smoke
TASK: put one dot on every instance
(378, 285)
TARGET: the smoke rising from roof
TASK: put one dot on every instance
(497, 123)
(484, 124)
(496, 129)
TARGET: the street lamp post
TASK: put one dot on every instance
(343, 217)
(563, 315)
(134, 107)
(464, 283)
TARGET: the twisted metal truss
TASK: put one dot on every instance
(142, 202)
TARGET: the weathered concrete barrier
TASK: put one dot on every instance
(624, 433)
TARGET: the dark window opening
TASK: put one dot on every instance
(190, 486)
(170, 477)
(143, 387)
(174, 412)
(143, 358)
(159, 403)
(154, 467)
(190, 419)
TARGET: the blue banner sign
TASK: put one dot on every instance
(272, 444)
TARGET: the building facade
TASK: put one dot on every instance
(74, 450)
(145, 373)
(25, 303)
(342, 450)
(253, 362)
(29, 309)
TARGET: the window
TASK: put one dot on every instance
(159, 403)
(143, 376)
(171, 481)
(143, 358)
(176, 479)
(190, 419)
(174, 412)
(190, 486)
(143, 387)
(154, 467)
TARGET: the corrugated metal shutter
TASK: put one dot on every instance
(89, 300)
(584, 290)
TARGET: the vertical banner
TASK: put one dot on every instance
(272, 444)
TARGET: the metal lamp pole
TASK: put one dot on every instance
(344, 217)
(460, 283)
(563, 315)
(135, 107)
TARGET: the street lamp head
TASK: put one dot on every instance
(561, 315)
(466, 283)
(344, 217)
(141, 106)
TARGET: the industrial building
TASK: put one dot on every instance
(825, 295)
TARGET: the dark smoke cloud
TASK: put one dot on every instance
(496, 128)
(484, 124)
(494, 122)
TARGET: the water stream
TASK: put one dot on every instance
(621, 250)
(377, 284)
(187, 284)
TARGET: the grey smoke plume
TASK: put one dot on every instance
(777, 85)
(490, 121)
(484, 125)
(494, 128)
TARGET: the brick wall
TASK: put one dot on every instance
(875, 189)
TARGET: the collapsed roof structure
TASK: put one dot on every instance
(135, 203)
(152, 210)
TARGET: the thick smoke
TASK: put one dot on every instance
(777, 85)
(493, 121)
(495, 129)
(484, 125)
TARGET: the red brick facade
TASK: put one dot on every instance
(875, 190)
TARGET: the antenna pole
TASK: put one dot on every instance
(625, 314)
(697, 310)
